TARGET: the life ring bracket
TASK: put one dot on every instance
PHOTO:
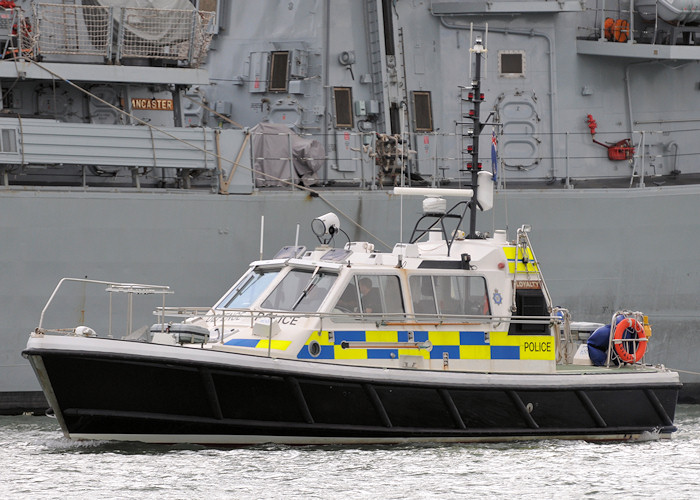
(627, 331)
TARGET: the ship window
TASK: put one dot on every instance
(511, 63)
(449, 295)
(349, 301)
(371, 294)
(8, 141)
(248, 289)
(422, 294)
(529, 302)
(422, 112)
(342, 98)
(279, 69)
(301, 290)
(8, 100)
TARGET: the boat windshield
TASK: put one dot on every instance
(301, 290)
(249, 289)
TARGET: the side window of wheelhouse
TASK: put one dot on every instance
(476, 296)
(372, 294)
(529, 302)
(349, 301)
(422, 294)
(449, 295)
(392, 301)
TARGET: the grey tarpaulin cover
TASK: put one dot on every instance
(270, 143)
(161, 31)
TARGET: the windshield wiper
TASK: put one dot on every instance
(312, 281)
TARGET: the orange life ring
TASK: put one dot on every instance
(621, 30)
(625, 355)
(608, 29)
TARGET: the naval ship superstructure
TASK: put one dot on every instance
(174, 141)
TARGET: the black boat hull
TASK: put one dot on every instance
(126, 396)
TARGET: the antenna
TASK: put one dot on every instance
(476, 97)
(486, 44)
(471, 43)
(262, 234)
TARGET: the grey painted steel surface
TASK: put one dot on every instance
(43, 142)
(104, 73)
(591, 267)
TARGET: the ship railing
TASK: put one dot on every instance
(191, 151)
(631, 344)
(130, 289)
(380, 319)
(642, 22)
(521, 255)
(119, 33)
(16, 38)
(433, 159)
(566, 347)
(266, 322)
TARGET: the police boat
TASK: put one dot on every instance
(450, 337)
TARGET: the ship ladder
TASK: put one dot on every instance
(521, 256)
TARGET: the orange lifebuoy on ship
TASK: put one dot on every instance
(608, 28)
(621, 30)
(620, 348)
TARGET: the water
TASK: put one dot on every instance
(37, 462)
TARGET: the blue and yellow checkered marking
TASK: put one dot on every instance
(280, 345)
(530, 267)
(457, 345)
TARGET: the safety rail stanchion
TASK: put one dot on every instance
(291, 161)
(637, 326)
(162, 316)
(109, 329)
(563, 328)
(320, 323)
(223, 327)
(610, 339)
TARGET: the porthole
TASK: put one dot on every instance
(314, 349)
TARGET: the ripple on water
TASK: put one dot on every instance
(36, 461)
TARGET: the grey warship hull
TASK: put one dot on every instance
(154, 247)
(87, 190)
